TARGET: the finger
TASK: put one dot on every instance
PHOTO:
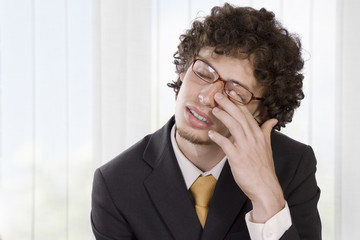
(232, 109)
(250, 119)
(233, 125)
(267, 127)
(227, 105)
(238, 112)
(249, 116)
(226, 145)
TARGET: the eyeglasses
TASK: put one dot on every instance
(208, 74)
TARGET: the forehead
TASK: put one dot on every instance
(231, 68)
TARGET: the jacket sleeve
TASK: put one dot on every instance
(106, 220)
(302, 196)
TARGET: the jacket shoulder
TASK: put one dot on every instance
(129, 160)
(139, 159)
(283, 145)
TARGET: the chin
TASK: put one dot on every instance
(191, 137)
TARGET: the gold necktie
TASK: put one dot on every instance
(202, 190)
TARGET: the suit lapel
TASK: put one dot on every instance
(226, 204)
(167, 188)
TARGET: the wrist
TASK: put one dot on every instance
(265, 208)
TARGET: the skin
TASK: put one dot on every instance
(230, 129)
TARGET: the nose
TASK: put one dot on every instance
(206, 96)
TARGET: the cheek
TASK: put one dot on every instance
(187, 89)
(181, 93)
(254, 108)
(182, 75)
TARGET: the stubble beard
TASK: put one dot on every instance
(192, 138)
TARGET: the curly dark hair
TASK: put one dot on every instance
(244, 32)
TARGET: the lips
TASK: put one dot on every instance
(197, 118)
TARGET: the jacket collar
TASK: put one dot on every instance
(227, 204)
(167, 189)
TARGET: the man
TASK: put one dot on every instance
(239, 78)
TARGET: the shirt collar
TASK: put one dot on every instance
(189, 171)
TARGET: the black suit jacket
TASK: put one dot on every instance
(141, 194)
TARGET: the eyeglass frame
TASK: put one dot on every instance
(225, 81)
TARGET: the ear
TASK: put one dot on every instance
(182, 75)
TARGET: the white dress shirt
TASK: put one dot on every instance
(273, 229)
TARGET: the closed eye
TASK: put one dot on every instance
(205, 75)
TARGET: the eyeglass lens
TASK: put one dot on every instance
(233, 89)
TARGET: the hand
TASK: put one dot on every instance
(250, 157)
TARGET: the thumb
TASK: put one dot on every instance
(267, 126)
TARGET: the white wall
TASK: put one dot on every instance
(82, 80)
(348, 113)
(122, 82)
(46, 118)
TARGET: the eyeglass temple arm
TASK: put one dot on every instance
(258, 98)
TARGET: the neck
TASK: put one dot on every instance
(203, 156)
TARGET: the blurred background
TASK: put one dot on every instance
(82, 80)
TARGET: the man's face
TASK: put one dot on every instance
(195, 100)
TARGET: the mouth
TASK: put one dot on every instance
(198, 117)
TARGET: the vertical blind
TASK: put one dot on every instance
(46, 129)
(80, 81)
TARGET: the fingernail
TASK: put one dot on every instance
(219, 96)
(211, 133)
(215, 110)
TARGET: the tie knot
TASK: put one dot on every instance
(203, 189)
